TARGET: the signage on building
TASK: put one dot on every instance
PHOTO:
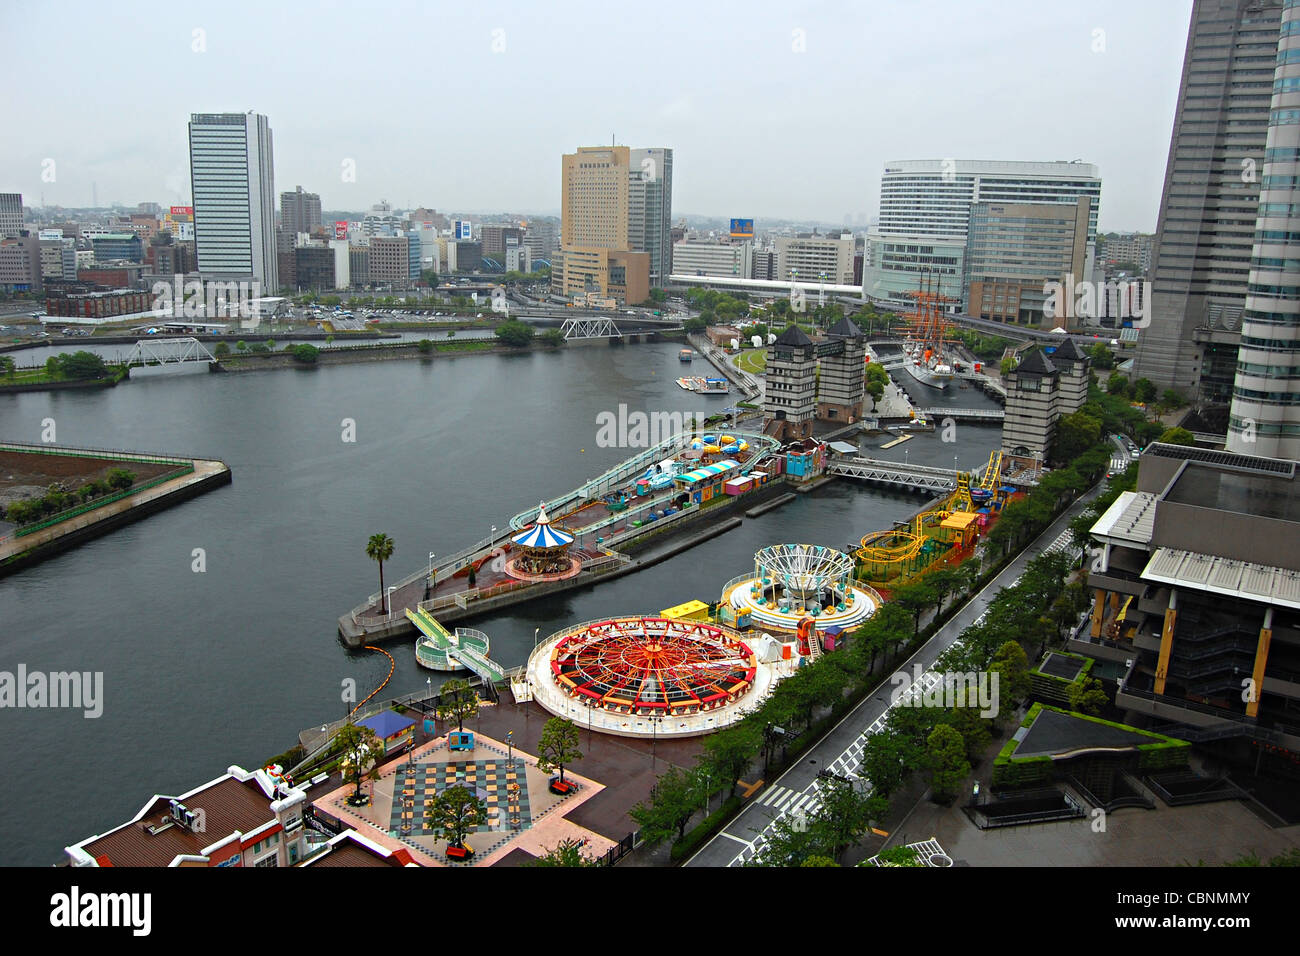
(464, 229)
(340, 229)
(185, 231)
(182, 210)
(742, 229)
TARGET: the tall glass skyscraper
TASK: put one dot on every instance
(1206, 227)
(233, 179)
(650, 209)
(1265, 414)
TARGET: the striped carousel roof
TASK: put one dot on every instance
(542, 535)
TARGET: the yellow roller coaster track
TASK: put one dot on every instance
(993, 472)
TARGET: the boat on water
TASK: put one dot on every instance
(925, 354)
(685, 355)
(705, 386)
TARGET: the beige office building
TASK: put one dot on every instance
(595, 255)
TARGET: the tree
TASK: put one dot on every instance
(1087, 696)
(380, 548)
(119, 479)
(1177, 436)
(915, 597)
(425, 346)
(361, 750)
(886, 759)
(729, 752)
(976, 731)
(457, 701)
(307, 354)
(454, 812)
(1101, 356)
(1075, 434)
(695, 325)
(846, 815)
(1011, 664)
(7, 366)
(1172, 398)
(565, 853)
(1144, 390)
(221, 349)
(515, 334)
(676, 795)
(241, 345)
(558, 746)
(553, 337)
(947, 761)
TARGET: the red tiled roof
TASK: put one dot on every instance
(227, 806)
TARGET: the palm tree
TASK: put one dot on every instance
(380, 548)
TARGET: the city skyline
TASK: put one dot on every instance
(469, 135)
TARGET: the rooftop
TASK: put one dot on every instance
(1130, 518)
(1244, 579)
(1268, 495)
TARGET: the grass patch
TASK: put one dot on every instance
(753, 361)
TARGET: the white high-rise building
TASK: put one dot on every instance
(233, 179)
(925, 214)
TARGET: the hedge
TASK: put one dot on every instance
(699, 835)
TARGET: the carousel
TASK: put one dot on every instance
(541, 553)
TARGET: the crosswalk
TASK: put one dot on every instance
(1119, 463)
(783, 800)
(1062, 543)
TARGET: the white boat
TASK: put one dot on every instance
(928, 365)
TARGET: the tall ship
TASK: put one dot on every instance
(926, 349)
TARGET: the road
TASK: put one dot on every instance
(795, 791)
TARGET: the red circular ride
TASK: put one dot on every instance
(653, 666)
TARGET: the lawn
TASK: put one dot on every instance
(753, 361)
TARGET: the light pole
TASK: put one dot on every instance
(536, 630)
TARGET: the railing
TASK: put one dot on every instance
(101, 502)
(114, 453)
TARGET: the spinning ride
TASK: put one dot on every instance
(792, 582)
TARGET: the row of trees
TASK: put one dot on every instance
(56, 499)
(77, 366)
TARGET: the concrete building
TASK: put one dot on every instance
(519, 258)
(20, 264)
(359, 266)
(1264, 418)
(763, 265)
(1206, 228)
(843, 373)
(1040, 390)
(1013, 250)
(608, 273)
(469, 255)
(495, 238)
(11, 215)
(790, 397)
(300, 211)
(390, 261)
(233, 177)
(1131, 247)
(925, 210)
(342, 263)
(815, 259)
(709, 258)
(1196, 597)
(314, 267)
(542, 238)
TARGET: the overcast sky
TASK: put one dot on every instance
(783, 110)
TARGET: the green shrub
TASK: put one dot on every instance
(699, 835)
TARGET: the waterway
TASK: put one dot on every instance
(204, 669)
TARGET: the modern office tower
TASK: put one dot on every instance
(595, 253)
(1040, 390)
(1208, 209)
(1013, 250)
(314, 267)
(814, 259)
(1265, 415)
(650, 209)
(698, 257)
(469, 256)
(11, 214)
(1195, 597)
(762, 264)
(790, 396)
(925, 210)
(519, 258)
(117, 246)
(233, 178)
(843, 373)
(300, 211)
